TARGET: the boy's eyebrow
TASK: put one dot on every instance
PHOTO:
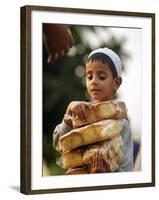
(102, 71)
(89, 71)
(99, 71)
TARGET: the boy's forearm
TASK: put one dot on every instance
(60, 130)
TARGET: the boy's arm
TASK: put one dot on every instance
(127, 163)
(60, 130)
(75, 108)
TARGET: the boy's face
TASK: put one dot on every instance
(99, 81)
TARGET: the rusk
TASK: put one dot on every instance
(90, 134)
(102, 111)
(78, 170)
(111, 151)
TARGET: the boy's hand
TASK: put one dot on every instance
(80, 109)
(98, 164)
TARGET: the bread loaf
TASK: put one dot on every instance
(110, 150)
(89, 134)
(78, 170)
(102, 111)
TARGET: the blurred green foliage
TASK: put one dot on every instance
(64, 81)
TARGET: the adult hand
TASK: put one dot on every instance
(58, 40)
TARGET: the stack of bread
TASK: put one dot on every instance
(101, 132)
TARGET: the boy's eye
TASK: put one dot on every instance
(102, 76)
(89, 76)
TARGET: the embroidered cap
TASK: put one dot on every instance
(113, 56)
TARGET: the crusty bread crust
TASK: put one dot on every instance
(102, 111)
(110, 150)
(90, 134)
(78, 170)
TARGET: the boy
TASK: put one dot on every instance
(103, 78)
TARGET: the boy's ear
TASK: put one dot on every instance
(118, 81)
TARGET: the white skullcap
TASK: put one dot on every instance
(113, 56)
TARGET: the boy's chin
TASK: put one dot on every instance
(96, 99)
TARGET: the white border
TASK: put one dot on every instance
(52, 182)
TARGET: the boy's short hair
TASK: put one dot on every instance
(105, 59)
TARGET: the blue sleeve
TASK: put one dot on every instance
(127, 149)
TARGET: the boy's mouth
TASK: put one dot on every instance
(95, 90)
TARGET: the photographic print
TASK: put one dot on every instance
(87, 99)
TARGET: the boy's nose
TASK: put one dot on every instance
(94, 80)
